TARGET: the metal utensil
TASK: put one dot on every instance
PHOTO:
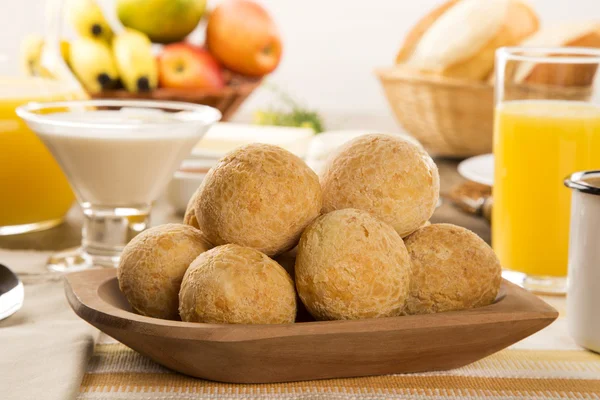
(11, 293)
(472, 198)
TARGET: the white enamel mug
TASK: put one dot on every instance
(583, 283)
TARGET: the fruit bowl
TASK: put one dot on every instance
(310, 350)
(227, 99)
(152, 56)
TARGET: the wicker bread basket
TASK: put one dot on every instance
(455, 118)
(450, 117)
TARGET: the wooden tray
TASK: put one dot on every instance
(310, 350)
(227, 100)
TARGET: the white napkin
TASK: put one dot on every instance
(44, 347)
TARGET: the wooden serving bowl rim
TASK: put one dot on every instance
(87, 293)
(242, 87)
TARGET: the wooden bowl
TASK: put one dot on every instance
(310, 350)
(227, 100)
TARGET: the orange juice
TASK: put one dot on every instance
(537, 143)
(34, 189)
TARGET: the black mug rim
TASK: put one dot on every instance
(576, 181)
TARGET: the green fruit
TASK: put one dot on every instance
(164, 21)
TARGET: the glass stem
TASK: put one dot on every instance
(107, 230)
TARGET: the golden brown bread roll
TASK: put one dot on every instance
(351, 265)
(152, 266)
(288, 261)
(452, 269)
(189, 218)
(387, 176)
(566, 35)
(237, 285)
(459, 38)
(259, 196)
(416, 33)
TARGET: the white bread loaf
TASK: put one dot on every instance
(458, 39)
(586, 34)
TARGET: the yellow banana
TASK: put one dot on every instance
(87, 19)
(136, 64)
(32, 47)
(31, 52)
(65, 50)
(93, 64)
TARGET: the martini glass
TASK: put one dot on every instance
(118, 156)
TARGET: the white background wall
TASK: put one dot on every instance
(331, 47)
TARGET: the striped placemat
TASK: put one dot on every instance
(117, 372)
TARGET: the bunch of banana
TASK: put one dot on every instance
(87, 19)
(135, 61)
(93, 64)
(99, 58)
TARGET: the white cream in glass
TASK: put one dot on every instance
(118, 156)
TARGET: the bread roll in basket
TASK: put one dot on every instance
(585, 34)
(441, 88)
(459, 38)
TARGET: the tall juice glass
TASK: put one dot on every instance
(547, 126)
(35, 192)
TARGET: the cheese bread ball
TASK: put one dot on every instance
(452, 269)
(189, 218)
(288, 260)
(152, 266)
(387, 176)
(259, 196)
(351, 265)
(232, 284)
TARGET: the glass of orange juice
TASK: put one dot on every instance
(35, 193)
(547, 126)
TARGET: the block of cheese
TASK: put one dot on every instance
(223, 137)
